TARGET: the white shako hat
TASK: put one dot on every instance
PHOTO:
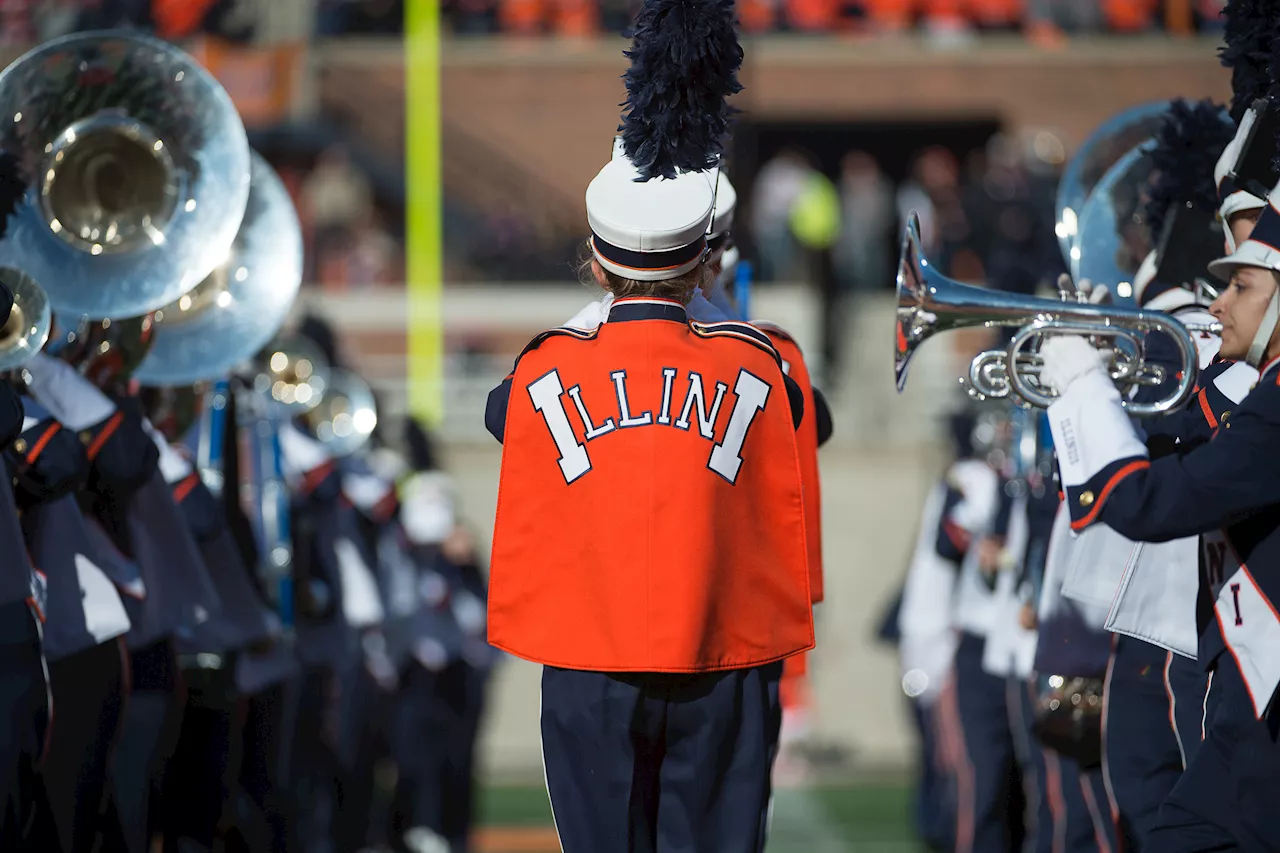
(1232, 199)
(726, 203)
(1248, 52)
(650, 208)
(648, 230)
(1144, 276)
(1262, 249)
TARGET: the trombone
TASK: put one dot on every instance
(929, 303)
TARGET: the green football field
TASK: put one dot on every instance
(861, 818)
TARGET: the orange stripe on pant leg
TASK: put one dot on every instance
(965, 794)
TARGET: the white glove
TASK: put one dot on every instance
(68, 396)
(595, 314)
(1066, 359)
(427, 508)
(1096, 294)
(173, 465)
(300, 453)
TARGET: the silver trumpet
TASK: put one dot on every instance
(25, 332)
(929, 303)
(135, 167)
(345, 418)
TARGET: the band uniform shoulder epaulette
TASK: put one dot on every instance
(735, 329)
(569, 331)
(775, 329)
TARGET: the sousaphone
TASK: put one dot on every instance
(136, 172)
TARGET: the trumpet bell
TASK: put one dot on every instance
(25, 332)
(242, 304)
(929, 303)
(1095, 156)
(294, 372)
(345, 419)
(136, 167)
(922, 291)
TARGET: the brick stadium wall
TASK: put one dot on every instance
(551, 107)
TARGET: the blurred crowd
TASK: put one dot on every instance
(945, 19)
(27, 22)
(348, 241)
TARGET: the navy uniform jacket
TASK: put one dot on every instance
(318, 520)
(83, 573)
(15, 571)
(1227, 487)
(143, 521)
(48, 464)
(243, 618)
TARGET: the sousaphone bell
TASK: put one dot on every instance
(242, 303)
(27, 328)
(136, 171)
(345, 419)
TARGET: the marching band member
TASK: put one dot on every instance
(927, 644)
(197, 772)
(88, 676)
(1154, 695)
(1223, 800)
(447, 669)
(713, 304)
(181, 595)
(267, 674)
(638, 687)
(24, 702)
(974, 705)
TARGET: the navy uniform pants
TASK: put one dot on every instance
(24, 713)
(198, 777)
(935, 799)
(437, 720)
(988, 792)
(152, 719)
(660, 763)
(1153, 711)
(1229, 797)
(88, 689)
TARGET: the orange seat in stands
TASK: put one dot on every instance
(757, 16)
(179, 18)
(889, 13)
(521, 17)
(813, 15)
(1129, 15)
(576, 18)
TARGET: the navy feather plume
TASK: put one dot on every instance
(1249, 31)
(685, 58)
(1187, 147)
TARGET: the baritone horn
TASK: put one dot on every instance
(25, 332)
(345, 419)
(293, 372)
(929, 303)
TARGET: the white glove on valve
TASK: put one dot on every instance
(1066, 359)
(1095, 294)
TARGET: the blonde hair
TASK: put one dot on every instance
(679, 288)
